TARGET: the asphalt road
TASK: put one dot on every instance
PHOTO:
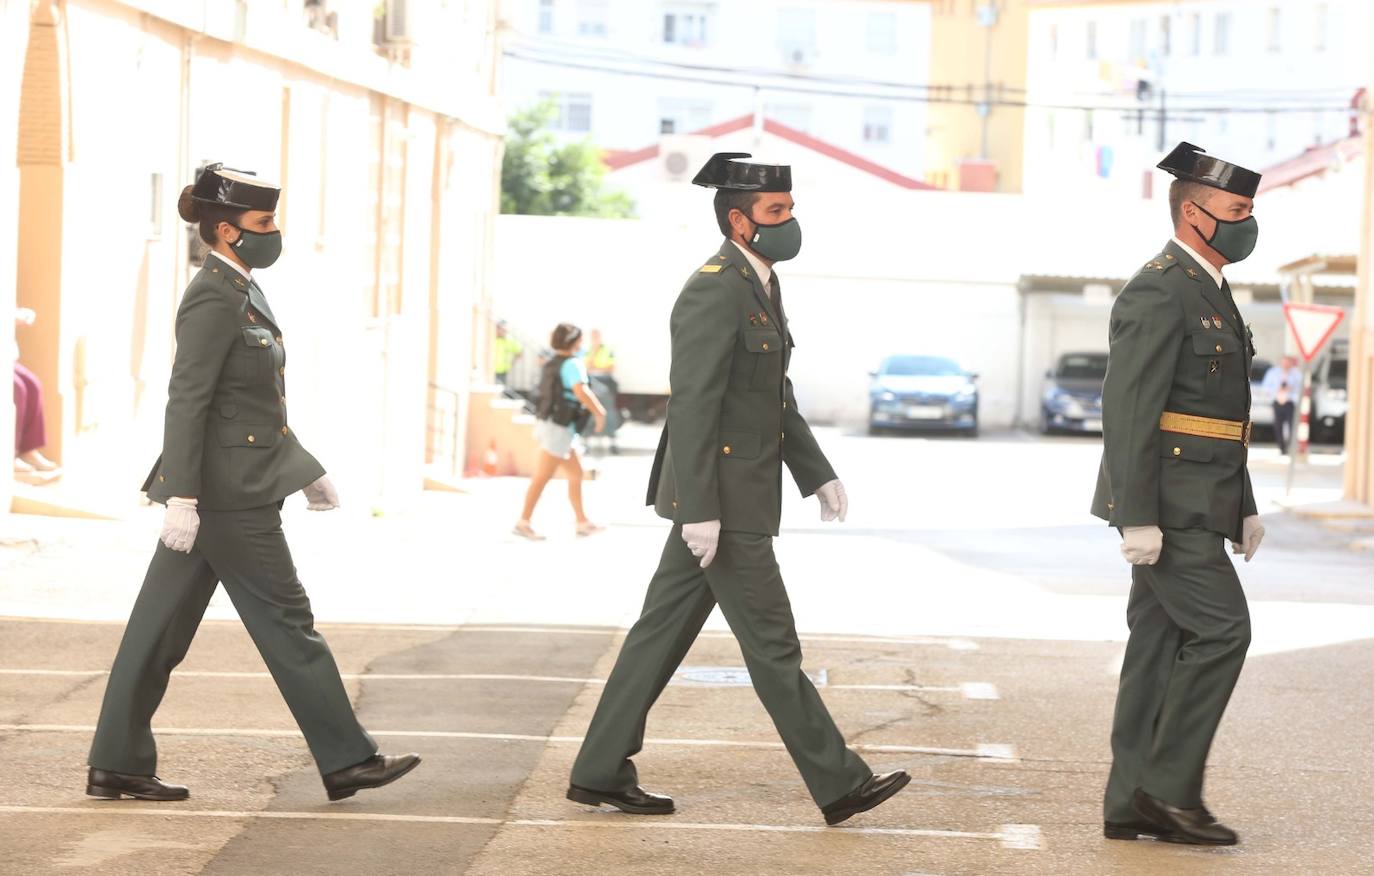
(965, 624)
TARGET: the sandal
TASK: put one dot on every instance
(588, 528)
(524, 530)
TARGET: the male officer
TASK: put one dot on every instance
(732, 424)
(1173, 480)
(228, 461)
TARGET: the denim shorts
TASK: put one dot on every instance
(553, 439)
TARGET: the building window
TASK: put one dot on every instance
(1138, 41)
(573, 112)
(592, 17)
(676, 116)
(1275, 28)
(882, 33)
(546, 16)
(685, 26)
(1221, 38)
(1092, 41)
(1321, 15)
(797, 34)
(1166, 34)
(1195, 34)
(878, 124)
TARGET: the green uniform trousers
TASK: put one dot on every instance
(744, 579)
(1190, 628)
(247, 551)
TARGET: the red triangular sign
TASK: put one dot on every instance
(1312, 325)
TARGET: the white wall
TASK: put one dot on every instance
(626, 109)
(1061, 153)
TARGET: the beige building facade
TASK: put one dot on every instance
(1359, 420)
(386, 135)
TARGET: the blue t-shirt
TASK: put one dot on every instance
(573, 373)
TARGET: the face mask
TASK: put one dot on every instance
(257, 250)
(777, 243)
(1235, 240)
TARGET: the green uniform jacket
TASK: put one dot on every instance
(225, 441)
(1178, 344)
(732, 418)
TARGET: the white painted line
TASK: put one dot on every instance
(953, 643)
(970, 690)
(1001, 753)
(980, 690)
(1021, 834)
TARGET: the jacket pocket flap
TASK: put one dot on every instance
(256, 336)
(247, 435)
(1215, 343)
(739, 445)
(763, 342)
(1190, 447)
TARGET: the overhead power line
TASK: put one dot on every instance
(915, 93)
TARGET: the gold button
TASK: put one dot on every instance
(765, 346)
(281, 371)
(782, 435)
(279, 339)
(1218, 348)
(1170, 258)
(726, 450)
(784, 406)
(674, 504)
(252, 440)
(1178, 451)
(283, 430)
(161, 477)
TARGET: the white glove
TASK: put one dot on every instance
(702, 540)
(180, 525)
(321, 495)
(834, 503)
(1141, 545)
(1252, 533)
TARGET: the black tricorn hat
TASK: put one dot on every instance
(1188, 162)
(726, 171)
(228, 187)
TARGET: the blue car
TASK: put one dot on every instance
(1071, 400)
(925, 393)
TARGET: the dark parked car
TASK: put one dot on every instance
(1072, 397)
(923, 392)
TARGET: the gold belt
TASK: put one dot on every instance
(1206, 427)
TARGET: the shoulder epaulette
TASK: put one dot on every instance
(1160, 263)
(711, 269)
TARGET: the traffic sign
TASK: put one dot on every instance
(1312, 326)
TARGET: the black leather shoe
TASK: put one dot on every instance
(1191, 826)
(874, 791)
(1131, 830)
(111, 786)
(377, 770)
(635, 801)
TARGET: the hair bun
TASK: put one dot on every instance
(188, 208)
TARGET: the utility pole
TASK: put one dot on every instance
(987, 19)
(1163, 122)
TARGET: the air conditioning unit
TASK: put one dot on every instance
(399, 28)
(680, 157)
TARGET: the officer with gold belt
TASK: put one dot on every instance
(1173, 480)
(732, 425)
(228, 461)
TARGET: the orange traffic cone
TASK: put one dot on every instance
(491, 460)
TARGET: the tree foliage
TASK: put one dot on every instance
(540, 177)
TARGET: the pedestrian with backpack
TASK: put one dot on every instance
(566, 408)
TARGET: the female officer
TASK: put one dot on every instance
(228, 462)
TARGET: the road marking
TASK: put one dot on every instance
(1016, 836)
(987, 752)
(953, 643)
(975, 690)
